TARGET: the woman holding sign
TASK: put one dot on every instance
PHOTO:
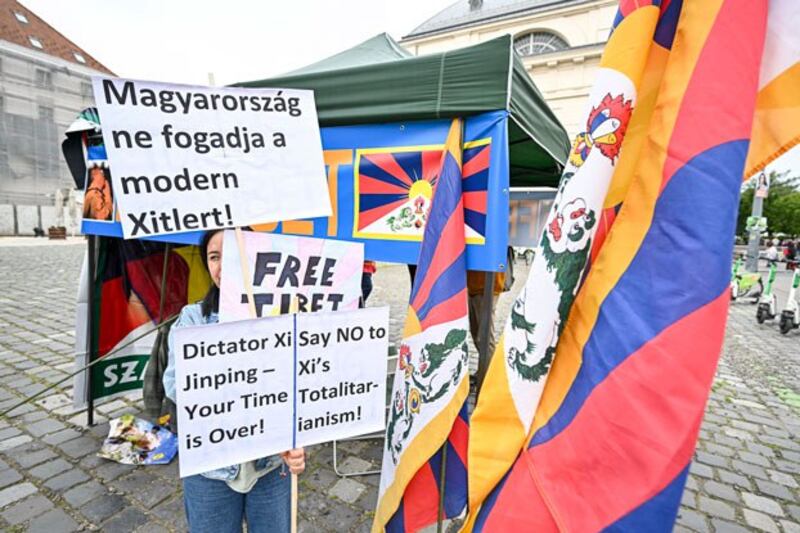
(257, 491)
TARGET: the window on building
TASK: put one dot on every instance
(86, 89)
(36, 43)
(46, 113)
(539, 42)
(79, 58)
(44, 79)
(21, 17)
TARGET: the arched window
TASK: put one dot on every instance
(538, 42)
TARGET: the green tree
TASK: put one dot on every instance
(780, 206)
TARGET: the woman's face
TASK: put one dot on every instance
(214, 257)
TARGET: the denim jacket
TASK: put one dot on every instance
(192, 315)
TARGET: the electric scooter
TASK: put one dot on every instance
(790, 316)
(745, 284)
(767, 304)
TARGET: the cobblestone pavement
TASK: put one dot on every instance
(746, 474)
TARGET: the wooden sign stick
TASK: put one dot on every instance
(248, 287)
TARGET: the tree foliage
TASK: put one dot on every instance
(781, 207)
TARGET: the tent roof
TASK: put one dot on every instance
(376, 81)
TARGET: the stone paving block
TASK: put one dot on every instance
(731, 478)
(753, 458)
(760, 521)
(762, 504)
(82, 494)
(49, 469)
(128, 520)
(9, 476)
(773, 489)
(172, 512)
(689, 499)
(102, 507)
(759, 449)
(111, 471)
(16, 492)
(32, 458)
(787, 466)
(61, 436)
(320, 478)
(748, 469)
(155, 527)
(54, 401)
(353, 464)
(716, 508)
(13, 442)
(67, 480)
(701, 470)
(9, 432)
(723, 526)
(54, 521)
(79, 447)
(721, 491)
(693, 520)
(711, 459)
(790, 527)
(152, 494)
(782, 478)
(45, 426)
(347, 489)
(26, 509)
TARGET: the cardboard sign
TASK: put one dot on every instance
(187, 158)
(325, 275)
(253, 388)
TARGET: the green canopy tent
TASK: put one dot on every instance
(378, 81)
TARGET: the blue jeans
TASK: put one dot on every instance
(213, 507)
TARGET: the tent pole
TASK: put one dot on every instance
(486, 311)
(92, 273)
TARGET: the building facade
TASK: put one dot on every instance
(560, 42)
(45, 80)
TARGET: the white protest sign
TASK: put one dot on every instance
(324, 274)
(253, 388)
(187, 158)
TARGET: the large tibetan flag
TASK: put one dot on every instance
(776, 128)
(427, 419)
(516, 376)
(615, 431)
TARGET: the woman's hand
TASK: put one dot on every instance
(295, 459)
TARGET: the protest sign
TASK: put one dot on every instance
(380, 180)
(187, 158)
(325, 275)
(252, 388)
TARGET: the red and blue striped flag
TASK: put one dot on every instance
(427, 419)
(616, 428)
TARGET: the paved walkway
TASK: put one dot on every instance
(745, 477)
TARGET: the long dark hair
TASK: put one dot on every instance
(209, 304)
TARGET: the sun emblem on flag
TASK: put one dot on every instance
(395, 188)
(605, 129)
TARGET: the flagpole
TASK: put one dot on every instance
(91, 273)
(442, 476)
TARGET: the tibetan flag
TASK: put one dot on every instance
(776, 128)
(516, 376)
(427, 419)
(617, 424)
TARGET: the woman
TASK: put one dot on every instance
(257, 491)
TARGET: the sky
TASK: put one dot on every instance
(182, 41)
(238, 40)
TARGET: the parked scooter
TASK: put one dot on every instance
(790, 316)
(745, 284)
(768, 303)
